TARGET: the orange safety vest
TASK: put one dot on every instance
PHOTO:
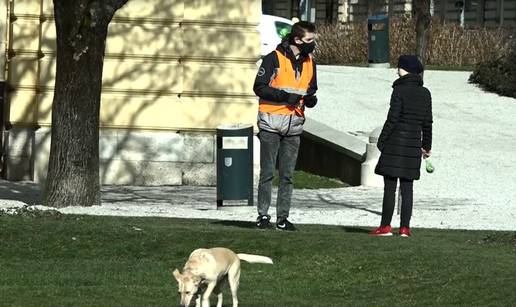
(286, 80)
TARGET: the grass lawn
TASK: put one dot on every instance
(113, 261)
(305, 180)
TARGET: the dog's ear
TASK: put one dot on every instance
(177, 275)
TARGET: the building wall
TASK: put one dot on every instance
(336, 10)
(359, 10)
(282, 8)
(325, 10)
(478, 12)
(174, 70)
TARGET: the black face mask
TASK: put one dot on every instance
(306, 48)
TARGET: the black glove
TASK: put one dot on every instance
(310, 101)
(293, 99)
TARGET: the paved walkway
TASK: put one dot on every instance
(355, 206)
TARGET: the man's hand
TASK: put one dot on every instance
(310, 101)
(293, 99)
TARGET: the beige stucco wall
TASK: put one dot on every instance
(183, 65)
(173, 71)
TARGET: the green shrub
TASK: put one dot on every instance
(497, 75)
(452, 45)
(339, 44)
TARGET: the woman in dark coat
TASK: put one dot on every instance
(406, 137)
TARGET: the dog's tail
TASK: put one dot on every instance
(254, 258)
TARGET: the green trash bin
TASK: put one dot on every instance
(234, 163)
(378, 39)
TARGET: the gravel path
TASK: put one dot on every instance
(356, 206)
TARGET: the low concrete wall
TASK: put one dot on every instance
(173, 158)
(18, 144)
(328, 152)
(126, 157)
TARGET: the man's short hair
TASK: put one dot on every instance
(299, 29)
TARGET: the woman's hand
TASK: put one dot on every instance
(426, 153)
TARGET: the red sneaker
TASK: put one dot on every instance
(382, 231)
(405, 232)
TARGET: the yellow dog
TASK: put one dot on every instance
(206, 271)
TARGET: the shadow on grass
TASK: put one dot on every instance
(355, 230)
(239, 224)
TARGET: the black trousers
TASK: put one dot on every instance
(389, 198)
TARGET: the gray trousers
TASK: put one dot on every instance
(285, 149)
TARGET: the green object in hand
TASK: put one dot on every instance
(428, 166)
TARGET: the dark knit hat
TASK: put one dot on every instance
(410, 63)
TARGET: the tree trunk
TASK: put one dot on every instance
(330, 5)
(73, 171)
(423, 21)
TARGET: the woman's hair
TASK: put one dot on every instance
(299, 29)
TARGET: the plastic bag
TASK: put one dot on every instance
(429, 166)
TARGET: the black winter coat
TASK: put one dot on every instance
(408, 128)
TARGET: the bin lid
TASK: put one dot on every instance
(377, 17)
(234, 126)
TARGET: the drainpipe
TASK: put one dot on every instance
(4, 26)
(462, 15)
(4, 30)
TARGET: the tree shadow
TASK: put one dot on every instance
(351, 205)
(27, 192)
(179, 194)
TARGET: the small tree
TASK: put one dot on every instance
(421, 9)
(73, 172)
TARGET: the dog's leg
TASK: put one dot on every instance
(218, 291)
(207, 293)
(198, 301)
(219, 300)
(234, 281)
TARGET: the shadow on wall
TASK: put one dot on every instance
(173, 71)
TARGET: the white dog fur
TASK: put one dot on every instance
(206, 271)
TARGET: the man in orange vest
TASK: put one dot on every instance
(285, 84)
